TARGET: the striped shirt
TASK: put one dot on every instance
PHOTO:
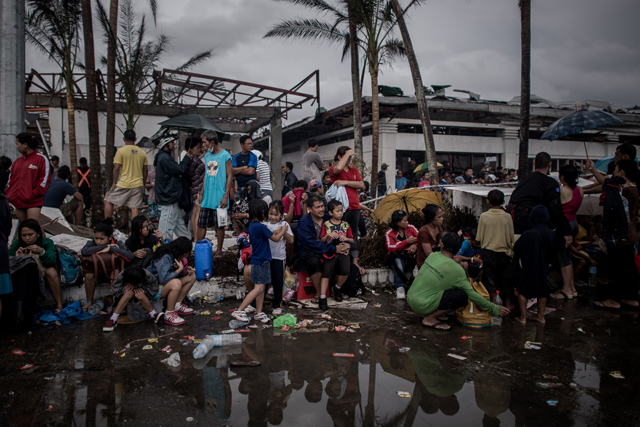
(265, 175)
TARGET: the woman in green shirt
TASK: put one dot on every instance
(442, 287)
(32, 243)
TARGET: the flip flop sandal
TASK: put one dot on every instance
(251, 363)
(435, 326)
(564, 296)
(600, 305)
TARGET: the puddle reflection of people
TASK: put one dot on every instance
(343, 390)
(442, 287)
(492, 396)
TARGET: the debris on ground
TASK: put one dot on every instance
(552, 402)
(549, 377)
(403, 394)
(404, 349)
(581, 330)
(26, 367)
(464, 337)
(173, 360)
(51, 408)
(167, 349)
(548, 385)
(344, 355)
(18, 352)
(616, 374)
(530, 345)
(457, 356)
(147, 347)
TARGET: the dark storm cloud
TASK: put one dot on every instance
(582, 49)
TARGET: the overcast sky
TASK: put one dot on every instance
(581, 49)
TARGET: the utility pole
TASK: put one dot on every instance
(12, 96)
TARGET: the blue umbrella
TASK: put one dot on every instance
(603, 164)
(579, 122)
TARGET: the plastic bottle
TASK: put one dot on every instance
(216, 341)
(497, 320)
(593, 276)
(415, 271)
(96, 308)
(237, 324)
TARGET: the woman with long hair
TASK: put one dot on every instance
(143, 240)
(401, 239)
(429, 232)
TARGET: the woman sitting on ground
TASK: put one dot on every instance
(32, 243)
(442, 287)
(401, 239)
(428, 234)
(533, 252)
(142, 242)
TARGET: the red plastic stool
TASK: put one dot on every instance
(306, 290)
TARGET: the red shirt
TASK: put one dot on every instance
(29, 180)
(348, 175)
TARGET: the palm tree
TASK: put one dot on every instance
(136, 58)
(111, 84)
(53, 27)
(525, 86)
(92, 113)
(375, 22)
(429, 144)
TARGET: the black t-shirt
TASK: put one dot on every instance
(382, 179)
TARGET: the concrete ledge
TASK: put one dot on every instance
(217, 286)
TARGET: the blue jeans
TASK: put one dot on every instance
(171, 222)
(267, 193)
(396, 278)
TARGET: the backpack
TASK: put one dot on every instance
(70, 270)
(613, 209)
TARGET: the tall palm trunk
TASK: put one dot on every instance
(73, 153)
(525, 87)
(111, 92)
(429, 143)
(355, 87)
(375, 126)
(92, 113)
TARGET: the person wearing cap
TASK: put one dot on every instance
(169, 189)
(459, 180)
(382, 180)
(491, 178)
(312, 163)
(264, 175)
(316, 187)
(129, 176)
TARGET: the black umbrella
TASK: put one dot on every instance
(191, 123)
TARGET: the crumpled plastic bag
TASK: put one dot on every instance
(289, 279)
(173, 361)
(286, 319)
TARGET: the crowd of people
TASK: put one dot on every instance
(315, 229)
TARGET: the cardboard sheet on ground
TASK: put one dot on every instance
(351, 303)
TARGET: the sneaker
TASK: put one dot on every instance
(183, 309)
(250, 309)
(172, 318)
(322, 304)
(337, 294)
(240, 315)
(110, 326)
(400, 293)
(263, 318)
(277, 311)
(157, 317)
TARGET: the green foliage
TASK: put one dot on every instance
(456, 219)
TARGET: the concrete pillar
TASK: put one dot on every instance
(387, 154)
(12, 83)
(276, 155)
(511, 145)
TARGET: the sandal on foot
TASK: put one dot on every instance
(600, 304)
(435, 326)
(564, 296)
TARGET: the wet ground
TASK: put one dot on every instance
(78, 380)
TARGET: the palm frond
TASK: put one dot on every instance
(195, 60)
(317, 5)
(309, 29)
(390, 51)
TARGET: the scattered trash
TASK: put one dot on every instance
(228, 331)
(548, 385)
(26, 367)
(250, 363)
(581, 330)
(573, 385)
(344, 355)
(167, 349)
(285, 320)
(189, 419)
(123, 354)
(51, 408)
(18, 352)
(456, 356)
(340, 328)
(219, 312)
(616, 374)
(530, 345)
(11, 393)
(173, 360)
(403, 394)
(237, 324)
(552, 402)
(48, 378)
(356, 326)
(217, 318)
(353, 331)
(285, 328)
(326, 316)
(253, 326)
(242, 330)
(550, 377)
(377, 305)
(153, 340)
(404, 349)
(148, 347)
(464, 337)
(205, 312)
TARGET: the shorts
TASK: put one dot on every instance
(336, 266)
(494, 264)
(261, 273)
(563, 256)
(130, 197)
(69, 208)
(453, 299)
(208, 218)
(310, 262)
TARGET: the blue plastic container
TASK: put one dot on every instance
(204, 260)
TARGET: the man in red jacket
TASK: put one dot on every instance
(29, 180)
